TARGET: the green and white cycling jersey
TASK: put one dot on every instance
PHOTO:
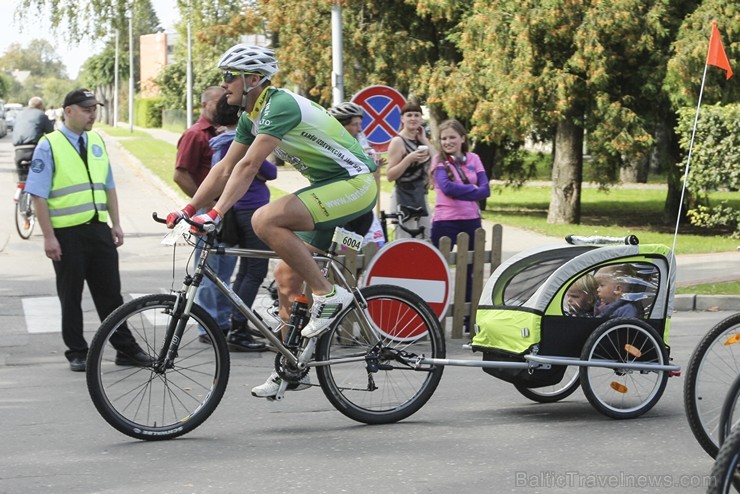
(311, 140)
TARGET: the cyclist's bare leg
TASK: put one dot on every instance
(275, 223)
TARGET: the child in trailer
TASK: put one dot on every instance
(614, 282)
(580, 299)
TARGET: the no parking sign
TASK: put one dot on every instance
(382, 118)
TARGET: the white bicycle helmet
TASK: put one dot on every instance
(250, 58)
(347, 110)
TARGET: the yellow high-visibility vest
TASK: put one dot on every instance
(77, 191)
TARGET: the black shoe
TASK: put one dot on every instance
(77, 364)
(242, 341)
(204, 338)
(134, 358)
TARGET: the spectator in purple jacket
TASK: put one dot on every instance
(460, 182)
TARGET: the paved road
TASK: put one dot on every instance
(477, 434)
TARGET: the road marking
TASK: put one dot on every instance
(44, 314)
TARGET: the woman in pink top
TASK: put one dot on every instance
(460, 182)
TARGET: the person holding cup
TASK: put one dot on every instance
(408, 167)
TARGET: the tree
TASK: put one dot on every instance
(554, 69)
(39, 58)
(683, 79)
(110, 15)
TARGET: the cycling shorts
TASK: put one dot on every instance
(335, 203)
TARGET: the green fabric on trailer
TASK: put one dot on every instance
(505, 329)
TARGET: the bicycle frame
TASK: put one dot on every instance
(301, 361)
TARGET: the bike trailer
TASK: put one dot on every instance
(546, 301)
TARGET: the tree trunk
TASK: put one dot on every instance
(667, 141)
(634, 171)
(567, 174)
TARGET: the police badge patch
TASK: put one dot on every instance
(37, 166)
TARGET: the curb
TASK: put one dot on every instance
(711, 303)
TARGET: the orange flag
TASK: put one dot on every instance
(716, 55)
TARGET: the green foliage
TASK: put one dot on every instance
(148, 112)
(715, 163)
(39, 58)
(685, 69)
(6, 82)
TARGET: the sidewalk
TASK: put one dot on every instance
(692, 268)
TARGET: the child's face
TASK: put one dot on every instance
(579, 300)
(608, 290)
(451, 141)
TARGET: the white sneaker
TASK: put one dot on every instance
(325, 309)
(271, 386)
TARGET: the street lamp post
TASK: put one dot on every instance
(115, 84)
(337, 72)
(131, 70)
(189, 75)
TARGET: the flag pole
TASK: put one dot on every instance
(672, 266)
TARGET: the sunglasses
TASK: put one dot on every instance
(230, 76)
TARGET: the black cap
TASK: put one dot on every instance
(81, 97)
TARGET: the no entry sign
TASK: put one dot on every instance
(414, 265)
(382, 118)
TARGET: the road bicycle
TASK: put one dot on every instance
(370, 364)
(25, 216)
(712, 369)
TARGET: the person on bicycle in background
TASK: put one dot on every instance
(30, 125)
(302, 133)
(350, 116)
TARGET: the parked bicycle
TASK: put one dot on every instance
(400, 217)
(369, 364)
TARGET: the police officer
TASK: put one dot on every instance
(75, 196)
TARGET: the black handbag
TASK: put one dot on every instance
(229, 233)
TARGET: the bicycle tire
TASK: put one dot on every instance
(724, 474)
(148, 404)
(25, 218)
(727, 416)
(552, 394)
(706, 386)
(623, 393)
(405, 323)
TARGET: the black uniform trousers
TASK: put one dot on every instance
(88, 255)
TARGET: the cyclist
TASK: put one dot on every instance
(30, 125)
(303, 134)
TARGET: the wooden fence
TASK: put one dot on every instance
(483, 263)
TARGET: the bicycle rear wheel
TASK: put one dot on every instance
(711, 371)
(25, 218)
(157, 402)
(382, 385)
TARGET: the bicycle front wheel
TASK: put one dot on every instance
(711, 371)
(157, 401)
(25, 218)
(381, 383)
(725, 473)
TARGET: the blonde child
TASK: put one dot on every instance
(613, 283)
(580, 299)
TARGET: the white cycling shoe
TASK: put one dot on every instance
(325, 309)
(270, 388)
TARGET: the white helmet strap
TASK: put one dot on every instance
(246, 89)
